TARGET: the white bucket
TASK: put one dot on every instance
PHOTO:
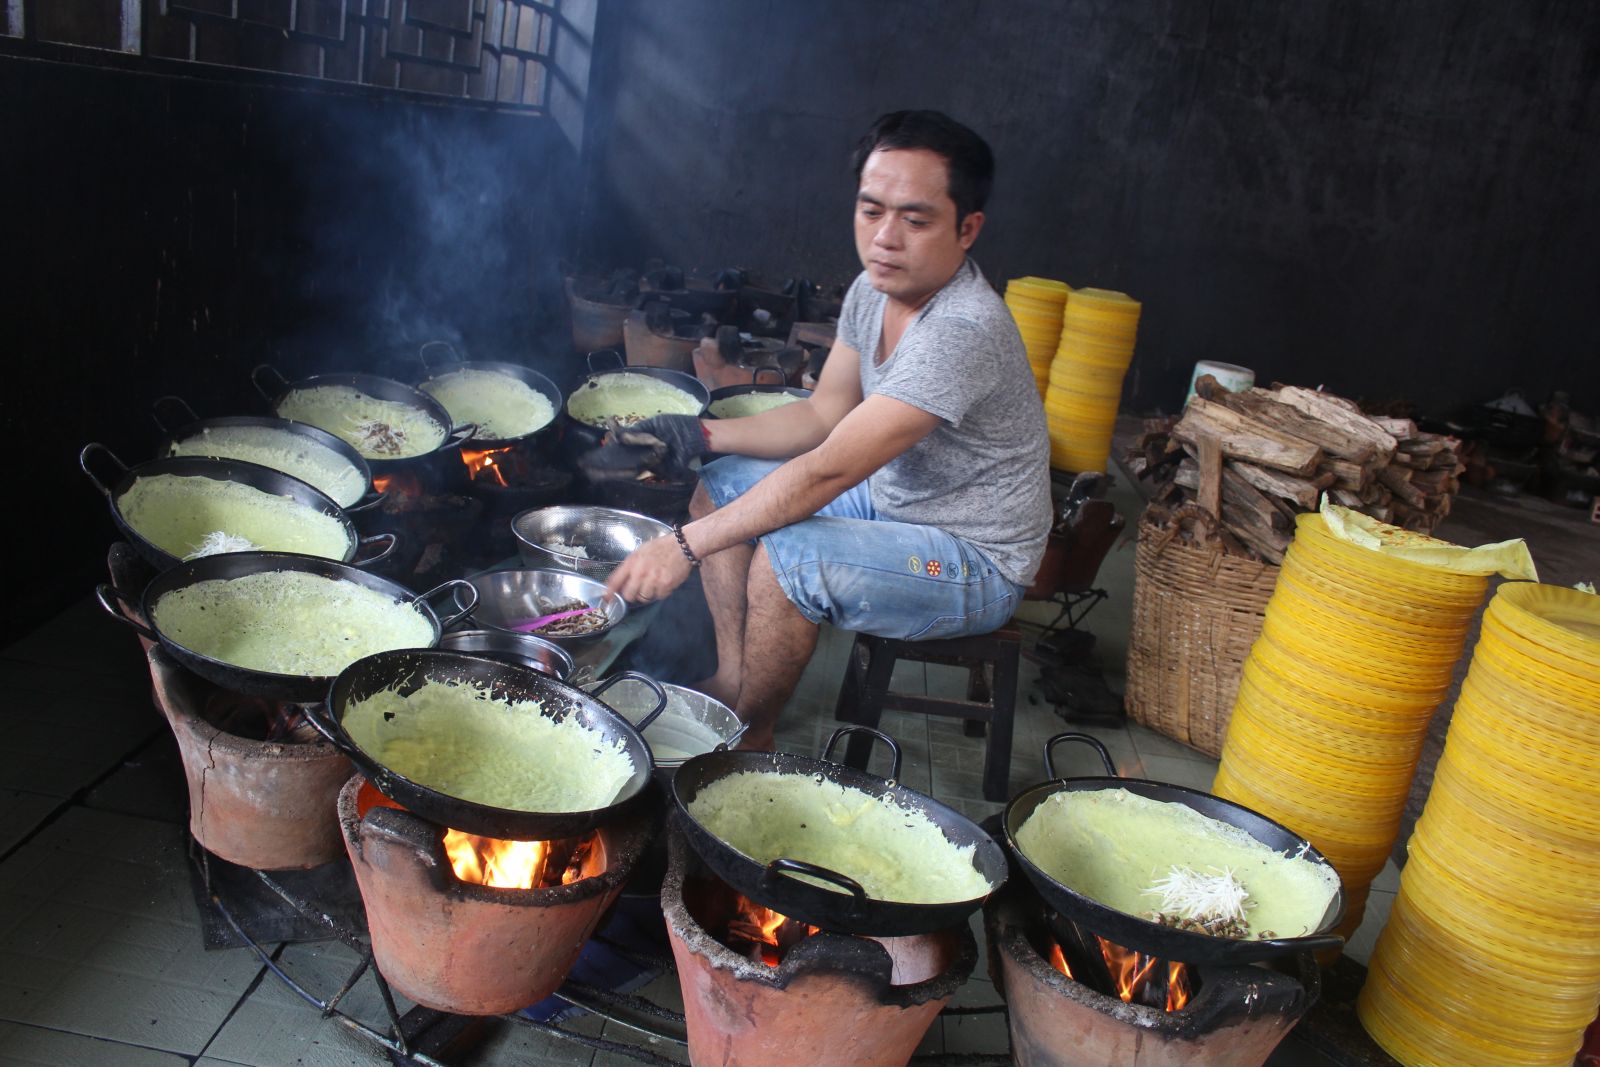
(1233, 378)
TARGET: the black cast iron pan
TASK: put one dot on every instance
(272, 385)
(299, 689)
(193, 426)
(369, 549)
(581, 436)
(755, 387)
(847, 909)
(1151, 938)
(409, 669)
(527, 375)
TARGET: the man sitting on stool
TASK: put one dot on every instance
(909, 496)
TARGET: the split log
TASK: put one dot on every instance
(1425, 445)
(1339, 412)
(1397, 483)
(1399, 429)
(1263, 407)
(1243, 437)
(1303, 491)
(1347, 475)
(1242, 502)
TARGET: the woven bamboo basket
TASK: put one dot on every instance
(1196, 612)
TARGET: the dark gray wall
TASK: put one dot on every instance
(1391, 199)
(164, 234)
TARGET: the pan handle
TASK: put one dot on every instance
(460, 435)
(368, 502)
(94, 448)
(755, 374)
(616, 353)
(783, 866)
(322, 719)
(727, 746)
(387, 540)
(649, 683)
(172, 402)
(1094, 742)
(1309, 943)
(455, 585)
(270, 391)
(422, 353)
(894, 749)
(114, 601)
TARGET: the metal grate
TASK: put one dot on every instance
(634, 1012)
(488, 51)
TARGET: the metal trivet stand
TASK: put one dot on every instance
(418, 1036)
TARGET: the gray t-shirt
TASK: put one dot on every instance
(984, 474)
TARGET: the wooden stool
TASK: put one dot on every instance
(991, 663)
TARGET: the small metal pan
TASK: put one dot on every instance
(1151, 938)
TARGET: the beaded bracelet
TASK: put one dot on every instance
(688, 553)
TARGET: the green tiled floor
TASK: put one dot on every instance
(100, 950)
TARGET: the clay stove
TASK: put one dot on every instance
(1227, 1016)
(775, 991)
(261, 788)
(466, 947)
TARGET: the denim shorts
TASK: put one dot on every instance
(847, 567)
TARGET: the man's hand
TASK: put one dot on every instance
(665, 443)
(651, 572)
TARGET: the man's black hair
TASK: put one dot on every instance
(966, 155)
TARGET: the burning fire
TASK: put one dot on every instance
(770, 933)
(1131, 970)
(504, 864)
(488, 459)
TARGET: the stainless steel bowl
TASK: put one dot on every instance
(692, 723)
(506, 597)
(607, 536)
(524, 650)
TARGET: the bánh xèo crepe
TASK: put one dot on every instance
(629, 397)
(378, 429)
(741, 405)
(293, 454)
(502, 407)
(288, 622)
(895, 853)
(459, 739)
(177, 513)
(1116, 847)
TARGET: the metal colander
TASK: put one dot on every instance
(606, 535)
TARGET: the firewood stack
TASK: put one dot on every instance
(1255, 459)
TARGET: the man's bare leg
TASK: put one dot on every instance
(778, 643)
(724, 575)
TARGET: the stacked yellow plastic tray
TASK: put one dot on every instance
(1491, 956)
(1036, 305)
(1357, 650)
(1095, 348)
